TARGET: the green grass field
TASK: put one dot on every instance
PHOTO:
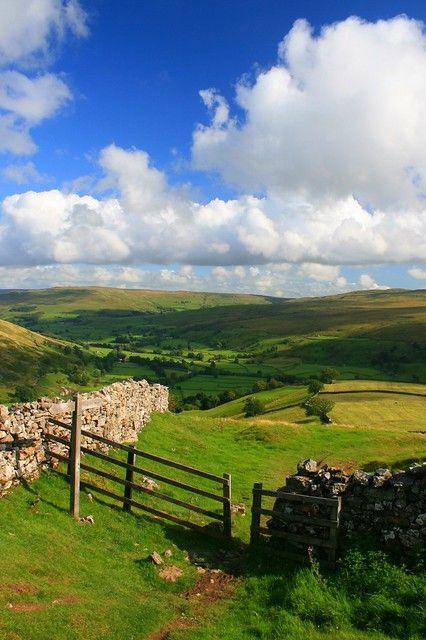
(364, 335)
(358, 403)
(275, 400)
(62, 580)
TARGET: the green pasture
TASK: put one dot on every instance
(273, 399)
(363, 335)
(64, 580)
(379, 410)
(363, 403)
(213, 385)
(376, 385)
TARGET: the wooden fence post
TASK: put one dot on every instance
(255, 512)
(131, 459)
(334, 515)
(227, 518)
(74, 466)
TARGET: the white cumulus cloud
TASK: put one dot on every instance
(29, 31)
(141, 218)
(29, 28)
(340, 113)
(367, 282)
(329, 158)
(417, 273)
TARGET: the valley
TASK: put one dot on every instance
(213, 349)
(364, 351)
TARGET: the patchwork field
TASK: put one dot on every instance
(208, 343)
(61, 579)
(358, 403)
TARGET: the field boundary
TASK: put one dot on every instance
(75, 448)
(305, 504)
(389, 391)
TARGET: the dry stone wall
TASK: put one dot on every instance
(117, 412)
(388, 505)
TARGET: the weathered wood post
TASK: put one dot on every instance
(131, 459)
(227, 517)
(334, 529)
(74, 466)
(255, 512)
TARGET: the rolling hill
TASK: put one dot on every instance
(33, 363)
(377, 335)
(57, 300)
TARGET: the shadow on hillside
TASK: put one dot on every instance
(399, 464)
(287, 406)
(235, 557)
(208, 549)
(39, 498)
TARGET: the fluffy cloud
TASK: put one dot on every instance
(22, 173)
(367, 282)
(141, 218)
(328, 158)
(320, 272)
(29, 29)
(24, 103)
(339, 114)
(418, 274)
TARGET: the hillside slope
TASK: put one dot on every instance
(238, 318)
(97, 582)
(365, 334)
(32, 362)
(57, 300)
(21, 348)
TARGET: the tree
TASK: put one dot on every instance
(320, 407)
(274, 384)
(315, 386)
(327, 375)
(253, 407)
(227, 395)
(174, 404)
(24, 393)
(259, 385)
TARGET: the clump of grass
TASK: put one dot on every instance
(384, 596)
(366, 598)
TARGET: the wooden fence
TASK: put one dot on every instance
(75, 465)
(330, 523)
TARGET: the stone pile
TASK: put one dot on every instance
(117, 412)
(389, 506)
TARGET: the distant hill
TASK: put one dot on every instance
(364, 334)
(52, 301)
(240, 320)
(37, 365)
(21, 351)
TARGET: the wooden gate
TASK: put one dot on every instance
(297, 502)
(75, 448)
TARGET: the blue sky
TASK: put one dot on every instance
(298, 169)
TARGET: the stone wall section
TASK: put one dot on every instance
(117, 412)
(389, 506)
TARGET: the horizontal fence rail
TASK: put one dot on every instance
(304, 538)
(75, 449)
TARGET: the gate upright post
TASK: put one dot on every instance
(255, 512)
(75, 446)
(227, 518)
(131, 460)
(334, 530)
